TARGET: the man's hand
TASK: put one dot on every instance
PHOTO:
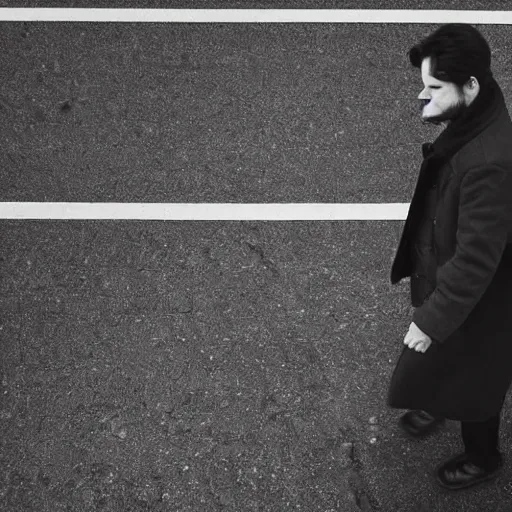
(417, 339)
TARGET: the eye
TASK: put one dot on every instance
(435, 87)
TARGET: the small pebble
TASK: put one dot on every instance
(121, 434)
(373, 420)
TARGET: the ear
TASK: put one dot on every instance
(472, 83)
(471, 89)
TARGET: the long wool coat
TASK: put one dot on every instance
(465, 373)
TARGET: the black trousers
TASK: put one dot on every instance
(481, 441)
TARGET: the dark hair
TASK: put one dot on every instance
(457, 51)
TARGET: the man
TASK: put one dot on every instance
(456, 247)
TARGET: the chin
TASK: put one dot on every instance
(430, 120)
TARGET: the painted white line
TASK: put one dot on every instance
(203, 211)
(256, 15)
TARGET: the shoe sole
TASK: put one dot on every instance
(468, 484)
(482, 480)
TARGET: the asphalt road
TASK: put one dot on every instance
(215, 113)
(211, 365)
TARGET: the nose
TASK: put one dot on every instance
(424, 95)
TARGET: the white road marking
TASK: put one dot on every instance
(256, 15)
(203, 211)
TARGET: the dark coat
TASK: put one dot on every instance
(467, 312)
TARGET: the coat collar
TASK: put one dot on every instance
(426, 149)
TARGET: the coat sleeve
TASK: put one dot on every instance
(483, 224)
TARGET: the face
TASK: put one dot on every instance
(440, 101)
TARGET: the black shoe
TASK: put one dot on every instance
(459, 472)
(419, 423)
